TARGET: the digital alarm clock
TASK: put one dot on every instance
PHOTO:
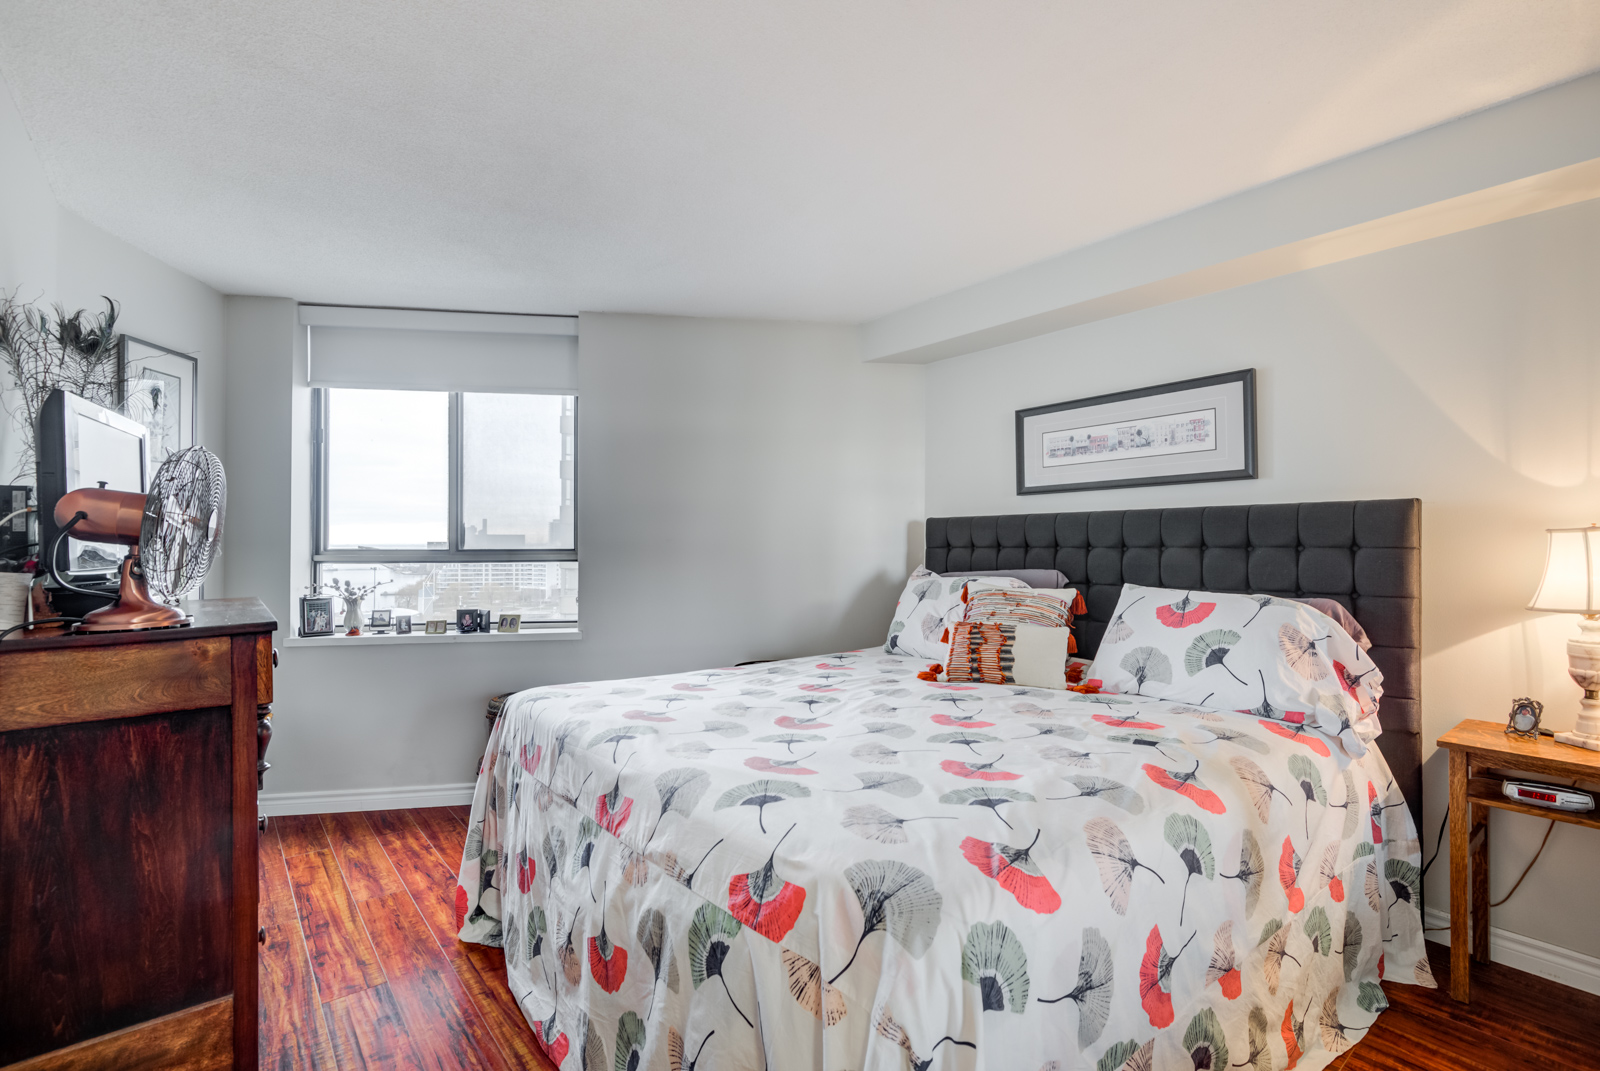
(1554, 797)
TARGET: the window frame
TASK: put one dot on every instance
(456, 522)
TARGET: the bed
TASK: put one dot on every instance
(828, 862)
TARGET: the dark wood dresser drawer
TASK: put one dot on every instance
(128, 895)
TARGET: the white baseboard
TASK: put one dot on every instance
(400, 798)
(1526, 954)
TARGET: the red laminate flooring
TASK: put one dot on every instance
(361, 969)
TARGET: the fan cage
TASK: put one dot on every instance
(182, 528)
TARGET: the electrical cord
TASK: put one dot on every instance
(39, 621)
(55, 554)
(1535, 859)
(1439, 844)
(1548, 830)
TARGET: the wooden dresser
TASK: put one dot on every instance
(128, 781)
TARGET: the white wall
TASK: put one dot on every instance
(745, 490)
(49, 255)
(1464, 371)
(1541, 132)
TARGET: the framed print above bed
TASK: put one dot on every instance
(1191, 431)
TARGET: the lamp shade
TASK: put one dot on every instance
(1571, 583)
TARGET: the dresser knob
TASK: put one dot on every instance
(261, 936)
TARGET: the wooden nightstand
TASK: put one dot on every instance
(1476, 748)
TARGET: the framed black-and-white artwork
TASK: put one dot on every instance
(158, 390)
(1191, 431)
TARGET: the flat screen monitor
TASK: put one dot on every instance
(83, 444)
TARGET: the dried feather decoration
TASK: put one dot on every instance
(72, 352)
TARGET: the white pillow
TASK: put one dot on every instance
(1269, 657)
(929, 604)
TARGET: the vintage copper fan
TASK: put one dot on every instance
(173, 534)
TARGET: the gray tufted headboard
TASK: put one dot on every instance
(1366, 555)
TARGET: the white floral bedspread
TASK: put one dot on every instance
(828, 863)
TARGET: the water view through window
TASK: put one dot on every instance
(540, 591)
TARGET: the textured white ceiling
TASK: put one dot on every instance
(815, 159)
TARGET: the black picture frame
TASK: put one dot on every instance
(1241, 428)
(382, 619)
(468, 621)
(137, 357)
(316, 615)
(402, 625)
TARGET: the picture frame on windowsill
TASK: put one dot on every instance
(316, 615)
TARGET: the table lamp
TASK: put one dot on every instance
(1571, 585)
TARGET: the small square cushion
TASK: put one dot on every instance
(1256, 654)
(929, 605)
(1045, 607)
(1033, 656)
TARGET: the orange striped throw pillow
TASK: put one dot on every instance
(1028, 606)
(988, 652)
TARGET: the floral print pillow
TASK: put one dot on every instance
(1268, 657)
(929, 605)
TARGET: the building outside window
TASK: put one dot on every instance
(448, 500)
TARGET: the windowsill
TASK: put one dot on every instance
(366, 639)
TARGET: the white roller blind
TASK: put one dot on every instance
(405, 349)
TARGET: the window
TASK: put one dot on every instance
(447, 500)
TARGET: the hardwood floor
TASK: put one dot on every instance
(361, 970)
(1515, 1020)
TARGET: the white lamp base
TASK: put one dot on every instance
(1583, 662)
(1579, 740)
